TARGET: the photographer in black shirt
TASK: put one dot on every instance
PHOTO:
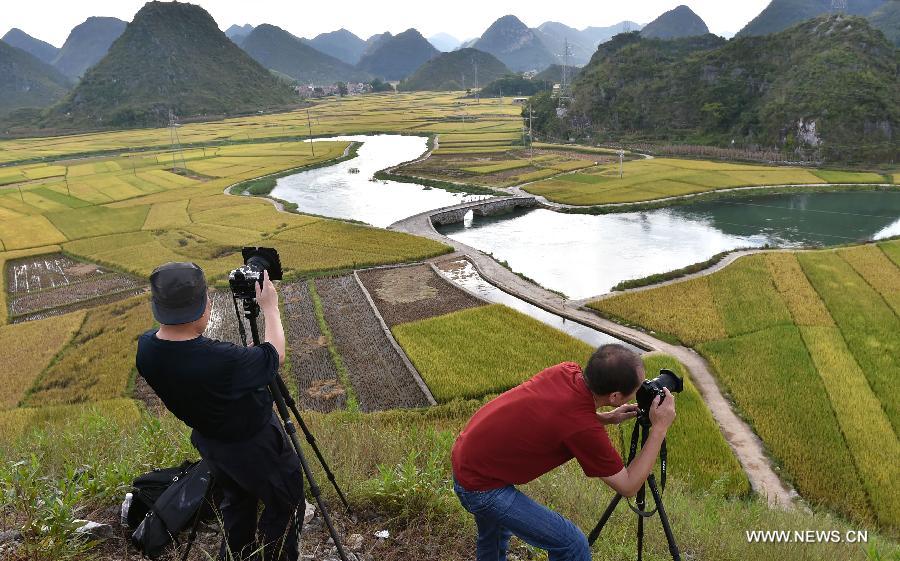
(220, 390)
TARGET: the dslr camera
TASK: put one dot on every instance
(257, 260)
(652, 388)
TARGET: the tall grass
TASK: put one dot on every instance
(396, 463)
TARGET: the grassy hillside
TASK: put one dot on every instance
(455, 71)
(172, 56)
(807, 346)
(827, 86)
(25, 81)
(278, 50)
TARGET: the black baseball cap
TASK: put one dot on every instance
(178, 293)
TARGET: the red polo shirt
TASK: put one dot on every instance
(531, 429)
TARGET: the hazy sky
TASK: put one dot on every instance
(52, 20)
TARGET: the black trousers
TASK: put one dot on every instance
(264, 468)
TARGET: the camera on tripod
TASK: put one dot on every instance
(652, 388)
(256, 261)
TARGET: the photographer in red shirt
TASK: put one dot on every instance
(540, 425)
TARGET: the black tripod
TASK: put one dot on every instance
(283, 402)
(642, 427)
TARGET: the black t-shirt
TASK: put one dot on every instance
(218, 389)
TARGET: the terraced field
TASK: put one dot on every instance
(50, 285)
(645, 180)
(808, 346)
(379, 377)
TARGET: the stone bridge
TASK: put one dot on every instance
(487, 207)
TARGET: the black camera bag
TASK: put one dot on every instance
(147, 488)
(175, 508)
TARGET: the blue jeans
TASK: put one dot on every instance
(504, 512)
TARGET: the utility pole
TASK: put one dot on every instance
(530, 137)
(312, 144)
(475, 71)
(175, 141)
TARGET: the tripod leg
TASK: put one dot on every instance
(595, 533)
(207, 499)
(313, 486)
(641, 504)
(670, 537)
(292, 405)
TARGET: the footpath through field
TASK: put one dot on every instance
(747, 446)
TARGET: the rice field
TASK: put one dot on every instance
(416, 113)
(645, 180)
(26, 361)
(97, 364)
(132, 213)
(807, 346)
(487, 350)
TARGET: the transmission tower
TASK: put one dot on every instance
(563, 99)
(838, 6)
(176, 142)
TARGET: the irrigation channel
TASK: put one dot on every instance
(577, 256)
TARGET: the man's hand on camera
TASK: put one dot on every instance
(619, 414)
(266, 297)
(663, 414)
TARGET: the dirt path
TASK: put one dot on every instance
(748, 448)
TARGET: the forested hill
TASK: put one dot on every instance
(455, 71)
(829, 84)
(396, 57)
(172, 56)
(278, 50)
(781, 14)
(678, 22)
(26, 81)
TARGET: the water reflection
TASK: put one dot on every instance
(464, 274)
(582, 255)
(334, 191)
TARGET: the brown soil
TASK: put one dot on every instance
(75, 293)
(32, 274)
(405, 294)
(81, 305)
(310, 361)
(377, 372)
